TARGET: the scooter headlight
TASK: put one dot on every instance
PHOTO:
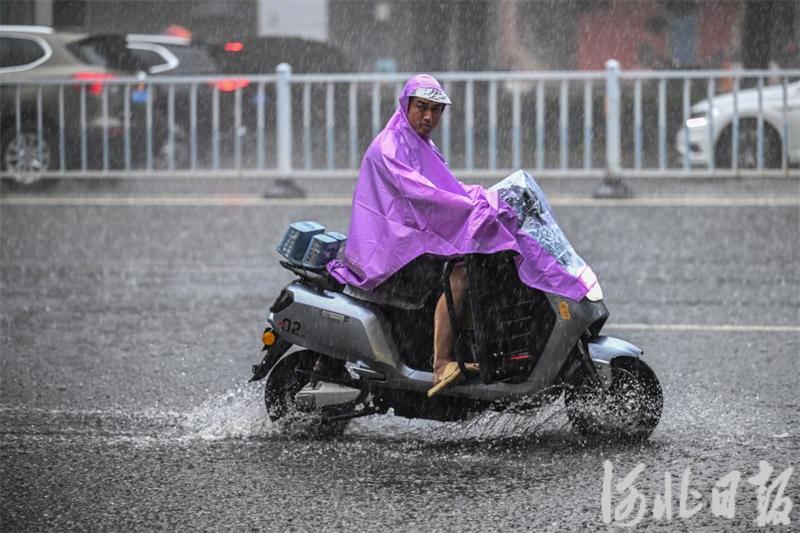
(589, 279)
(595, 294)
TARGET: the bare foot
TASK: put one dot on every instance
(438, 370)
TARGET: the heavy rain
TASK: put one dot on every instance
(214, 317)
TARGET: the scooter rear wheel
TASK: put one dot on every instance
(628, 408)
(284, 381)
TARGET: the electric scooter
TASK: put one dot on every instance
(333, 352)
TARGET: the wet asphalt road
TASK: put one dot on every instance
(127, 331)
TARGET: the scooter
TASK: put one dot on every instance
(333, 353)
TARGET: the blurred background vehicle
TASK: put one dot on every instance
(34, 136)
(718, 113)
(193, 119)
(190, 140)
(255, 56)
(260, 55)
(214, 123)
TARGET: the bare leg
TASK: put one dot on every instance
(442, 329)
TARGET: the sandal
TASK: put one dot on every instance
(450, 375)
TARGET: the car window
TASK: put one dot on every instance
(88, 54)
(19, 52)
(148, 59)
(193, 60)
(109, 51)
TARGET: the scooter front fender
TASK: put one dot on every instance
(603, 349)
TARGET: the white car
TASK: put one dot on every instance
(717, 116)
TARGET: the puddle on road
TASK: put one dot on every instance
(240, 414)
(690, 416)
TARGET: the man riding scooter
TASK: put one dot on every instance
(408, 204)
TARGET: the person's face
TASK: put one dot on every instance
(424, 115)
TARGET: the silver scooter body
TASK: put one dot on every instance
(344, 328)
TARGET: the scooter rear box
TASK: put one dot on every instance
(295, 241)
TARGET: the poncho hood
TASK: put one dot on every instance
(407, 203)
(418, 84)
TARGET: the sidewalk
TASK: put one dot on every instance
(343, 188)
(586, 187)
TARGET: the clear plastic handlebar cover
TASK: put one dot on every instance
(536, 218)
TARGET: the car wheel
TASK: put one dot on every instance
(25, 156)
(748, 146)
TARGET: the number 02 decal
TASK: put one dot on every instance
(290, 326)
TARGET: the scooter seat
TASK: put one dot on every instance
(410, 288)
(383, 297)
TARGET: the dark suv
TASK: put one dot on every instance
(44, 126)
(254, 56)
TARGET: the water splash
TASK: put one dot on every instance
(690, 417)
(486, 426)
(237, 413)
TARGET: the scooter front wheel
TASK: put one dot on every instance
(285, 380)
(629, 407)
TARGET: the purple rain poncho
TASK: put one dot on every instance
(408, 203)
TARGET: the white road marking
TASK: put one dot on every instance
(737, 328)
(174, 201)
(123, 414)
(681, 201)
(345, 201)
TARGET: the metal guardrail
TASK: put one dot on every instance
(608, 123)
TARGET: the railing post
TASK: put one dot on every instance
(283, 95)
(612, 118)
(284, 187)
(612, 186)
